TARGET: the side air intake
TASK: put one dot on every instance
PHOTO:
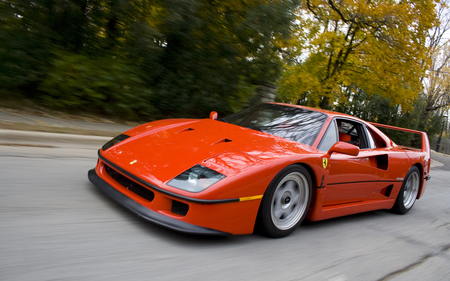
(387, 190)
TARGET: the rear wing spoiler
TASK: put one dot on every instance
(425, 141)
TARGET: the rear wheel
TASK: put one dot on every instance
(408, 193)
(286, 201)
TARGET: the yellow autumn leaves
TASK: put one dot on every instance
(378, 47)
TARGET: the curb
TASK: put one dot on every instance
(435, 164)
(27, 136)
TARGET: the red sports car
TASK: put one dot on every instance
(270, 166)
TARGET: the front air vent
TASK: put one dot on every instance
(129, 184)
(179, 208)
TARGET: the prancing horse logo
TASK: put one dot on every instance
(325, 162)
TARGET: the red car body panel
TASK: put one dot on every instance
(157, 152)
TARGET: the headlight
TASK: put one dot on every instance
(114, 141)
(196, 179)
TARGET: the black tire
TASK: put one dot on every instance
(408, 192)
(285, 202)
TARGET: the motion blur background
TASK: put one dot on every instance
(141, 60)
(66, 61)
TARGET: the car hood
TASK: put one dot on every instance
(161, 150)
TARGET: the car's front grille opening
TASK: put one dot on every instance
(179, 208)
(129, 184)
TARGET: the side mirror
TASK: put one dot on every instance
(344, 148)
(213, 115)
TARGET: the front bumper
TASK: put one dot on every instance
(148, 214)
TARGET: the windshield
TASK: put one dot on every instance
(292, 123)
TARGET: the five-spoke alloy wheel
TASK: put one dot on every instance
(408, 193)
(286, 201)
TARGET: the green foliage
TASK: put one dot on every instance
(105, 85)
(193, 56)
(177, 58)
(22, 50)
(214, 49)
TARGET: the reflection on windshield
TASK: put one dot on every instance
(292, 123)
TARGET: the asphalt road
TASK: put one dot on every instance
(442, 160)
(55, 225)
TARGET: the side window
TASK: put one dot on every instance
(329, 138)
(379, 142)
(352, 132)
(370, 140)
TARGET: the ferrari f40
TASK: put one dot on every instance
(267, 167)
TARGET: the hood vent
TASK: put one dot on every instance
(185, 130)
(223, 140)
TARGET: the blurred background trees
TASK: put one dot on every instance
(141, 58)
(383, 61)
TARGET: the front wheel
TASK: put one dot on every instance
(408, 193)
(286, 201)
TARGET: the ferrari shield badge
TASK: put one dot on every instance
(325, 162)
